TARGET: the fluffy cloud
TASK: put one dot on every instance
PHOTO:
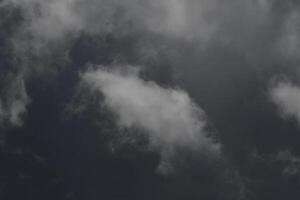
(168, 117)
(287, 97)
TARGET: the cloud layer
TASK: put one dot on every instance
(168, 117)
(222, 52)
(42, 40)
(190, 19)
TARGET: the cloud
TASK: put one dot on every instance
(289, 41)
(50, 27)
(168, 117)
(287, 97)
(55, 19)
(190, 19)
(13, 104)
(291, 163)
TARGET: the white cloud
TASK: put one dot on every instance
(287, 97)
(168, 117)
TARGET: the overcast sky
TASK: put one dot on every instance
(149, 99)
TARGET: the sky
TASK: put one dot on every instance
(149, 99)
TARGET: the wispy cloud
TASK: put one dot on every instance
(13, 104)
(289, 41)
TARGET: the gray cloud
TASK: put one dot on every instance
(291, 162)
(13, 104)
(240, 24)
(289, 42)
(213, 44)
(189, 19)
(169, 117)
(42, 41)
(287, 97)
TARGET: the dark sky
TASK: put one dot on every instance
(149, 100)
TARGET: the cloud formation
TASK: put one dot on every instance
(168, 117)
(287, 97)
(192, 19)
(223, 51)
(13, 104)
(289, 42)
(291, 163)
